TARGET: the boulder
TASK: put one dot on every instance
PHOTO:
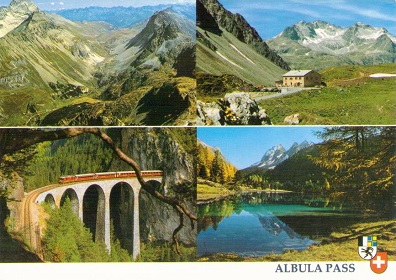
(292, 119)
(209, 114)
(234, 109)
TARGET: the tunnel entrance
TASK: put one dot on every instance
(121, 214)
(72, 196)
(94, 212)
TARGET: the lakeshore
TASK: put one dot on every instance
(209, 192)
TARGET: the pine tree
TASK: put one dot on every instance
(67, 240)
(217, 170)
(360, 163)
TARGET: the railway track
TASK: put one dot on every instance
(28, 222)
(29, 216)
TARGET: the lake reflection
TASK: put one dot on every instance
(266, 223)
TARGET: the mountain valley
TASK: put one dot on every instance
(228, 45)
(58, 72)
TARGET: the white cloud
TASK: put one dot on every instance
(52, 3)
(281, 6)
(61, 3)
(371, 13)
(310, 8)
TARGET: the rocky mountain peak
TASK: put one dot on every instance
(203, 144)
(23, 6)
(205, 19)
(168, 38)
(278, 154)
(237, 25)
(305, 30)
(319, 42)
(15, 14)
(162, 17)
(297, 147)
(361, 24)
(170, 19)
(275, 151)
(162, 26)
(323, 31)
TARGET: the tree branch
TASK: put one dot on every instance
(12, 140)
(179, 206)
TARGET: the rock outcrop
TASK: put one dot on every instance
(12, 192)
(234, 109)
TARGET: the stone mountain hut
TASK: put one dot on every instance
(302, 78)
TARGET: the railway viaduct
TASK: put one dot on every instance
(97, 202)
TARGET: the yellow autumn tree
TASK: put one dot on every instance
(360, 161)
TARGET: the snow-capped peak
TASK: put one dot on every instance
(327, 38)
(278, 154)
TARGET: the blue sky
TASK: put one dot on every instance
(243, 146)
(270, 17)
(70, 4)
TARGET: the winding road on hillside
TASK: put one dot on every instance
(288, 91)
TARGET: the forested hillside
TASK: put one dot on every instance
(354, 164)
(298, 173)
(360, 164)
(212, 165)
(85, 154)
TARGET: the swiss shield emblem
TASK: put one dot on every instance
(379, 263)
(367, 247)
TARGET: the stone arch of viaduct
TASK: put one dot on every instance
(78, 190)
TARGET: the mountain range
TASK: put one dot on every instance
(227, 44)
(278, 154)
(123, 17)
(320, 44)
(54, 71)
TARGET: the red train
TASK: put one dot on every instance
(106, 175)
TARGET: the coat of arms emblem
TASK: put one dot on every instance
(367, 247)
(380, 262)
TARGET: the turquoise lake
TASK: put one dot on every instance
(261, 224)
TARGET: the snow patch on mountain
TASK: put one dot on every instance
(239, 52)
(279, 154)
(324, 37)
(228, 60)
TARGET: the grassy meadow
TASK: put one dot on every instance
(206, 192)
(351, 97)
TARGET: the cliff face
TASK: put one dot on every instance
(156, 148)
(12, 187)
